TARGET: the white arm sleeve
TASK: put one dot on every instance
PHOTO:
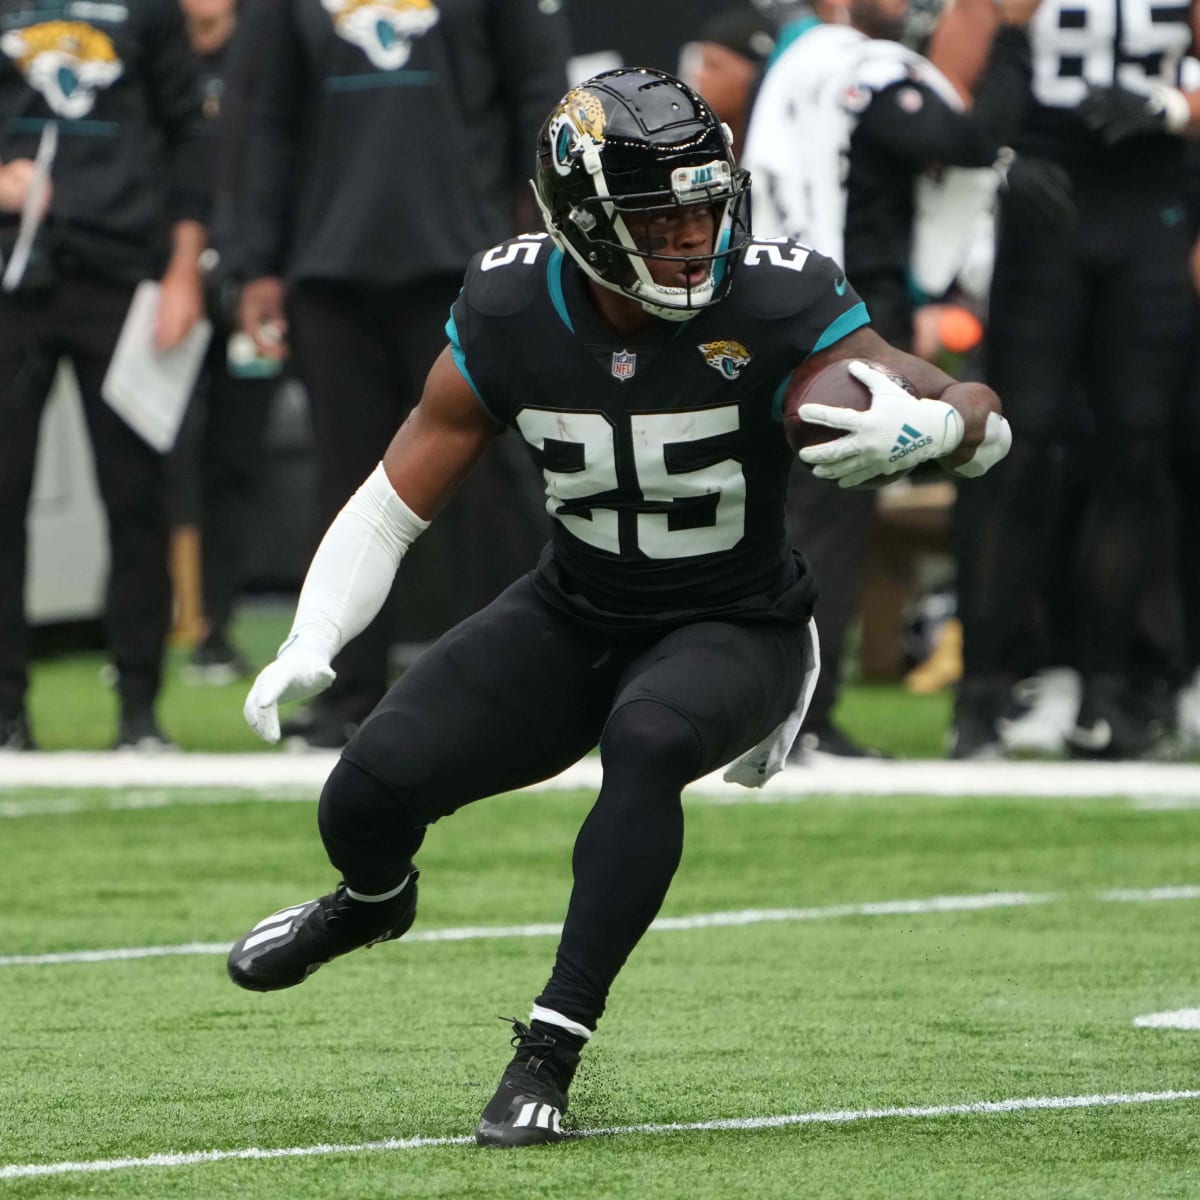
(353, 568)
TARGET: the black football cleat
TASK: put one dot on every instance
(285, 948)
(531, 1101)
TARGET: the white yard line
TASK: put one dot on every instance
(1149, 783)
(718, 1125)
(713, 920)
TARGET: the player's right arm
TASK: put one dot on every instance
(352, 571)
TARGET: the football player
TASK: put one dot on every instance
(1099, 316)
(639, 349)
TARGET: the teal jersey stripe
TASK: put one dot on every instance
(852, 319)
(554, 280)
(460, 361)
(378, 79)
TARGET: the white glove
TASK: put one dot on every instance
(896, 433)
(299, 671)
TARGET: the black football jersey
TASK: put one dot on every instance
(1077, 43)
(663, 455)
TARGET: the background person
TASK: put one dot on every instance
(1099, 316)
(129, 202)
(380, 155)
(845, 125)
(219, 460)
(725, 63)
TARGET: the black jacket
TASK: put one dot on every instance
(119, 79)
(380, 152)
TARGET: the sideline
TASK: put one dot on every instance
(734, 1124)
(275, 771)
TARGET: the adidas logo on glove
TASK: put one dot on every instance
(908, 441)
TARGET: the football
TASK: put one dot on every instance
(832, 385)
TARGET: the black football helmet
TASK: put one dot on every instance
(639, 140)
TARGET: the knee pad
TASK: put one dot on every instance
(645, 735)
(355, 808)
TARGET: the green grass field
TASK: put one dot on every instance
(849, 996)
(816, 1011)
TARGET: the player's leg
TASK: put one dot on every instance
(511, 696)
(1144, 312)
(232, 454)
(1185, 477)
(132, 478)
(27, 365)
(1003, 521)
(832, 528)
(686, 705)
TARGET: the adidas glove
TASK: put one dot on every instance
(299, 671)
(1116, 113)
(896, 433)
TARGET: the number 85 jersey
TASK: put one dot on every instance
(664, 462)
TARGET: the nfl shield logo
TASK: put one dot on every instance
(623, 364)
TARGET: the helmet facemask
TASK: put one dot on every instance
(599, 188)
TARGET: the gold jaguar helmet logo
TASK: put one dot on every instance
(68, 62)
(577, 123)
(383, 29)
(727, 357)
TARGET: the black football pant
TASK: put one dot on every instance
(1101, 319)
(520, 692)
(1185, 464)
(362, 354)
(80, 321)
(218, 472)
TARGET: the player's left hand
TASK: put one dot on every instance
(896, 433)
(1116, 113)
(297, 673)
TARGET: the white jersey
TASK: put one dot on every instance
(798, 150)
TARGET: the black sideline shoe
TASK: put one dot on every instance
(975, 729)
(317, 727)
(828, 741)
(215, 662)
(285, 948)
(1110, 724)
(531, 1101)
(14, 733)
(139, 731)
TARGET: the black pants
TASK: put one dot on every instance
(518, 693)
(362, 354)
(1185, 477)
(1100, 320)
(80, 321)
(216, 470)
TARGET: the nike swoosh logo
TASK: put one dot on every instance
(839, 286)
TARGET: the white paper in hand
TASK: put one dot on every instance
(34, 208)
(147, 387)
